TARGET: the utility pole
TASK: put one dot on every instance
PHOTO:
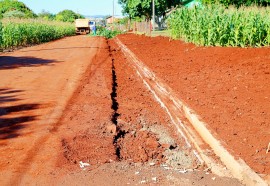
(113, 14)
(153, 19)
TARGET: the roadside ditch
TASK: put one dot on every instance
(143, 131)
(113, 117)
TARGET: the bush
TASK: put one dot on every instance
(102, 31)
(14, 14)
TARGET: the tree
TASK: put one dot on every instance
(46, 15)
(68, 16)
(15, 8)
(139, 8)
(143, 8)
(13, 14)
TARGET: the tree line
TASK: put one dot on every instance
(143, 8)
(17, 9)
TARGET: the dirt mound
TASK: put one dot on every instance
(227, 87)
(140, 146)
(84, 148)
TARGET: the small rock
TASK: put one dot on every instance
(154, 179)
(183, 171)
(214, 178)
(143, 181)
(111, 129)
(83, 165)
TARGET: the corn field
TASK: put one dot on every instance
(215, 25)
(15, 32)
(0, 34)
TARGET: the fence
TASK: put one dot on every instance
(142, 27)
(136, 27)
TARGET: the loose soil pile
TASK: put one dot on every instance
(227, 87)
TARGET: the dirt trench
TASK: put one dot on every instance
(132, 127)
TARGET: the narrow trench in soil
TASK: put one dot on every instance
(115, 105)
(148, 137)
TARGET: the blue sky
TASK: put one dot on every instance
(85, 7)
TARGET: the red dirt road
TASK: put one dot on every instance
(36, 84)
(227, 87)
(77, 99)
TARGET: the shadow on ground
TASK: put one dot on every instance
(13, 117)
(9, 62)
(66, 48)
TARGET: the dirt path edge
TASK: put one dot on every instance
(238, 168)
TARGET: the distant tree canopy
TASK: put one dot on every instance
(143, 8)
(46, 15)
(139, 8)
(67, 16)
(14, 8)
(239, 3)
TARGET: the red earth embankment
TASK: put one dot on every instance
(227, 87)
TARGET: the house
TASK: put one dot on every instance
(116, 19)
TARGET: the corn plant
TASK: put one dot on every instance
(215, 25)
(0, 34)
(26, 32)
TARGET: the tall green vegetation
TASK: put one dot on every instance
(17, 32)
(214, 25)
(20, 26)
(238, 3)
(108, 34)
(0, 33)
(16, 9)
(67, 16)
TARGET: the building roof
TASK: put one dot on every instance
(117, 17)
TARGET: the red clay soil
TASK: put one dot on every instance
(229, 88)
(148, 131)
(76, 100)
(36, 84)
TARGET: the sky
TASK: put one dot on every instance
(84, 7)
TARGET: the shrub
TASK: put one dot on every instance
(107, 33)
